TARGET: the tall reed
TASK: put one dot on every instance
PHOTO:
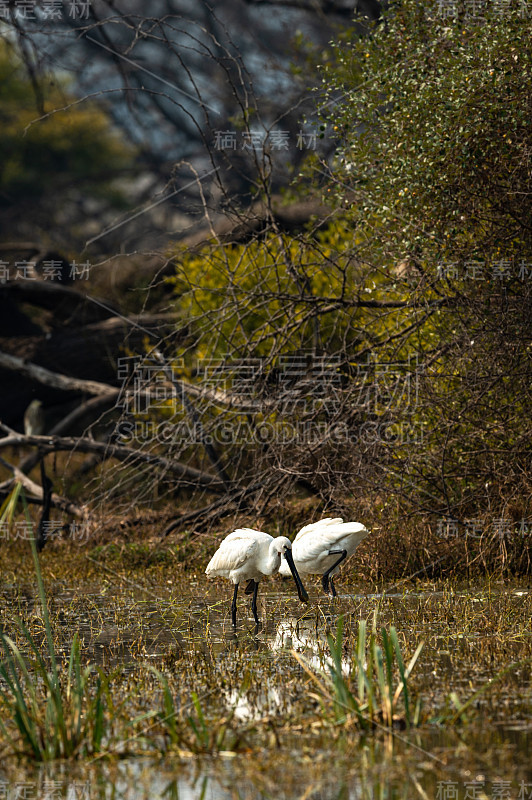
(376, 690)
(49, 715)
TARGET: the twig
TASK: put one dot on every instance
(56, 500)
(84, 408)
(218, 508)
(55, 379)
(54, 444)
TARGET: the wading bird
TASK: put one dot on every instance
(248, 555)
(320, 548)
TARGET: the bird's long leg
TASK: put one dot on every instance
(233, 605)
(325, 579)
(254, 602)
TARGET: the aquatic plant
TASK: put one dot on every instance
(376, 683)
(194, 732)
(53, 717)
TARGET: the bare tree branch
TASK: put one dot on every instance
(55, 379)
(54, 444)
(59, 502)
(88, 407)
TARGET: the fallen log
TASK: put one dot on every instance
(67, 304)
(54, 444)
(55, 379)
(81, 512)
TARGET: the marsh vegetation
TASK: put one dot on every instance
(135, 662)
(339, 331)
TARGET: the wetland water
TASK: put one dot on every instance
(469, 635)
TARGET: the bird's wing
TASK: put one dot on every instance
(349, 536)
(249, 533)
(237, 548)
(320, 526)
(338, 536)
(231, 555)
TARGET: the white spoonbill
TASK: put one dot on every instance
(248, 555)
(320, 548)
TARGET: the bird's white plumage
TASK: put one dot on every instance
(317, 546)
(247, 554)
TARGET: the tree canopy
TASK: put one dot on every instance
(64, 157)
(416, 296)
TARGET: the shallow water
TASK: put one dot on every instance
(126, 627)
(437, 765)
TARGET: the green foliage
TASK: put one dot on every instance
(431, 174)
(54, 718)
(435, 127)
(72, 148)
(434, 159)
(262, 288)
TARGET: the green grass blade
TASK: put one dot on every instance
(98, 726)
(360, 658)
(53, 686)
(403, 686)
(168, 717)
(23, 715)
(9, 506)
(413, 660)
(40, 586)
(389, 657)
(201, 718)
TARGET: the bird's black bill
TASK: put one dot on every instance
(302, 592)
